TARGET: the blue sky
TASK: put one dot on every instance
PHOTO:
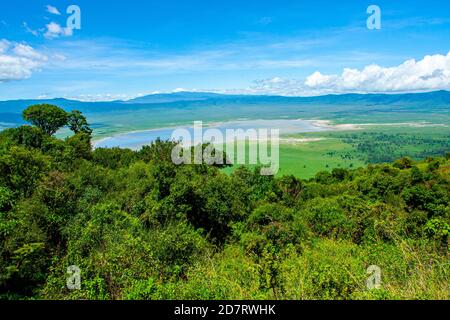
(130, 48)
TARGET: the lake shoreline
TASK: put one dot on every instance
(135, 139)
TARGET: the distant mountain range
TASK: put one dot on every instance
(437, 101)
(436, 96)
(439, 97)
(178, 96)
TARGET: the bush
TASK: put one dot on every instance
(326, 217)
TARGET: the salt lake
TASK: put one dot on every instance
(136, 139)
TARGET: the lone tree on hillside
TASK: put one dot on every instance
(78, 123)
(48, 117)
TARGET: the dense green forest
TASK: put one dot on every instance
(140, 227)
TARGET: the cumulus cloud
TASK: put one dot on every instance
(18, 61)
(53, 10)
(54, 30)
(430, 73)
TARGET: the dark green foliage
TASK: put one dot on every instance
(403, 163)
(340, 174)
(80, 144)
(78, 123)
(140, 227)
(158, 150)
(21, 169)
(290, 189)
(47, 117)
(27, 136)
(113, 158)
(379, 147)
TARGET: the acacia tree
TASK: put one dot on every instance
(47, 117)
(78, 123)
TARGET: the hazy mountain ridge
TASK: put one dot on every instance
(336, 105)
(441, 96)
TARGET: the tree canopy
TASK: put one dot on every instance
(47, 117)
(78, 123)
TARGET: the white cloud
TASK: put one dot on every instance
(29, 30)
(53, 10)
(430, 73)
(180, 90)
(274, 86)
(23, 50)
(106, 97)
(18, 61)
(54, 30)
(4, 45)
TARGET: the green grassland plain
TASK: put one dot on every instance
(303, 155)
